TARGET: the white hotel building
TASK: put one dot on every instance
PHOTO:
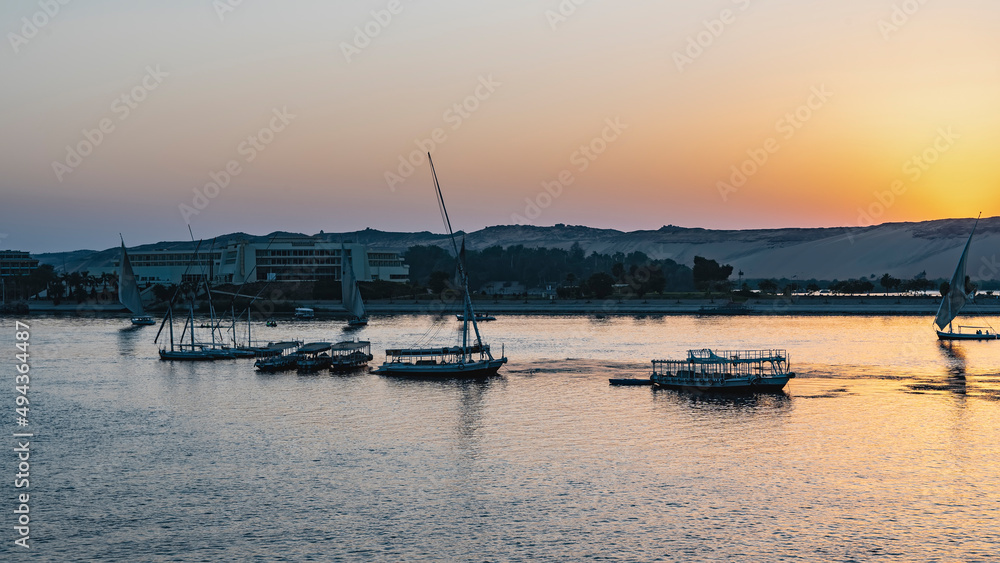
(280, 259)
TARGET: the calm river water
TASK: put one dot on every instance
(884, 447)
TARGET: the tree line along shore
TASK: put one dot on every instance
(681, 304)
(517, 278)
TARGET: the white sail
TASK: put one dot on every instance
(955, 299)
(128, 288)
(349, 288)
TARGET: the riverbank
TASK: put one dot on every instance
(868, 306)
(806, 305)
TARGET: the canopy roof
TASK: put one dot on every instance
(314, 347)
(349, 345)
(449, 351)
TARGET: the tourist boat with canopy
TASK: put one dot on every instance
(349, 356)
(277, 356)
(313, 356)
(725, 371)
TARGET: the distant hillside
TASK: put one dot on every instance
(901, 249)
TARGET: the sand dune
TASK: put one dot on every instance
(900, 249)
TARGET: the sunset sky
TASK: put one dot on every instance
(866, 111)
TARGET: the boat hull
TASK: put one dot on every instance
(479, 318)
(349, 364)
(143, 321)
(274, 364)
(472, 370)
(221, 354)
(632, 382)
(185, 356)
(965, 336)
(738, 385)
(313, 365)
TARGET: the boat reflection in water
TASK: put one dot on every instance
(955, 381)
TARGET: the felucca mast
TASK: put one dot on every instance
(170, 304)
(469, 313)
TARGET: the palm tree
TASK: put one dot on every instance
(57, 288)
(92, 283)
(105, 279)
(75, 282)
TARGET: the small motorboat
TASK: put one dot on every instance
(480, 317)
(646, 381)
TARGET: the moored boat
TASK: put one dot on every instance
(630, 382)
(349, 356)
(479, 317)
(219, 352)
(189, 352)
(277, 356)
(182, 354)
(242, 352)
(738, 371)
(304, 313)
(729, 309)
(313, 356)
